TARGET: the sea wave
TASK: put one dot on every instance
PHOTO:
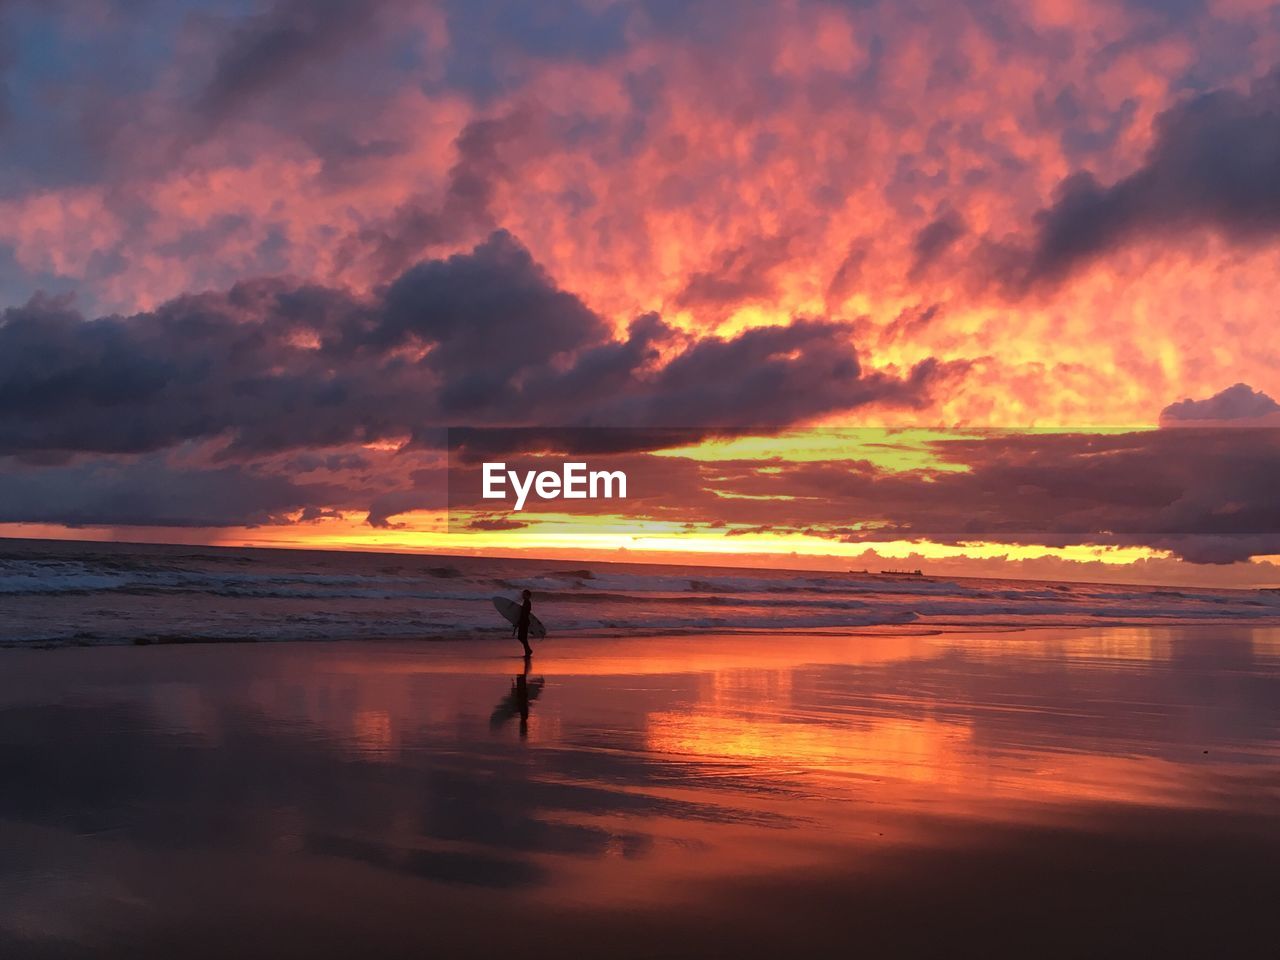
(64, 595)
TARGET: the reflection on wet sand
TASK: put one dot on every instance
(516, 704)
(1034, 791)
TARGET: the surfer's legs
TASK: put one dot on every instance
(524, 642)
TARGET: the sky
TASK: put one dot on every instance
(256, 257)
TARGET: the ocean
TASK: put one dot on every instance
(61, 593)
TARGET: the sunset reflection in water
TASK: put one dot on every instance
(667, 777)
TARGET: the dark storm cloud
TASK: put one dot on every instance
(423, 222)
(1238, 402)
(426, 490)
(768, 376)
(764, 377)
(1215, 164)
(1152, 486)
(1207, 494)
(481, 338)
(150, 492)
(933, 240)
(269, 48)
(491, 319)
(743, 273)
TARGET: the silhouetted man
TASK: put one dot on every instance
(522, 623)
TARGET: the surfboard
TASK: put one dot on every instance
(511, 610)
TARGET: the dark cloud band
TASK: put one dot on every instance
(1215, 164)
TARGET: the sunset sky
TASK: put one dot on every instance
(257, 257)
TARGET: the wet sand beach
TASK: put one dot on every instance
(1048, 792)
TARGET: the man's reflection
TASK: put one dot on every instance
(523, 692)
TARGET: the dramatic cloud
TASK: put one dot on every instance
(1215, 164)
(790, 214)
(1238, 402)
(484, 337)
(423, 223)
(742, 273)
(273, 366)
(426, 491)
(269, 48)
(856, 162)
(934, 239)
(1206, 495)
(150, 492)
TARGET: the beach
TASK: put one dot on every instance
(639, 479)
(1056, 791)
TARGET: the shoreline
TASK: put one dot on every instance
(871, 630)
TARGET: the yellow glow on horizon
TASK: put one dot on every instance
(615, 537)
(427, 532)
(978, 559)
